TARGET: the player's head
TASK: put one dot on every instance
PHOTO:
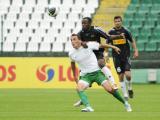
(86, 23)
(76, 41)
(118, 21)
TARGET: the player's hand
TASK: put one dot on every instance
(117, 49)
(135, 54)
(123, 35)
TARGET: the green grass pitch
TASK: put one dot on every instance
(57, 104)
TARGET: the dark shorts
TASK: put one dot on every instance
(122, 65)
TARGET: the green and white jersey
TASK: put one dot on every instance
(85, 58)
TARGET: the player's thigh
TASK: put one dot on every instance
(127, 64)
(82, 85)
(99, 77)
(117, 64)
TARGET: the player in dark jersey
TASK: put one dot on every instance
(91, 33)
(122, 61)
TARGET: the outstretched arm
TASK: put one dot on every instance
(84, 44)
(110, 46)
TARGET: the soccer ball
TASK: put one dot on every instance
(53, 11)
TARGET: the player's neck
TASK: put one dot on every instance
(119, 27)
(78, 47)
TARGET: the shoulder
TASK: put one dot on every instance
(71, 52)
(97, 28)
(80, 32)
(126, 29)
(111, 30)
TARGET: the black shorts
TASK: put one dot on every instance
(122, 65)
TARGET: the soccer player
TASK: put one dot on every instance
(90, 71)
(92, 33)
(122, 61)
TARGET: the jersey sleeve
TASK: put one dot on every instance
(70, 57)
(103, 34)
(93, 45)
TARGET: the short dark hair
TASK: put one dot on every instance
(74, 34)
(88, 18)
(118, 17)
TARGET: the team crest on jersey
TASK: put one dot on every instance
(118, 69)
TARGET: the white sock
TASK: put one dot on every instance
(129, 84)
(124, 89)
(107, 72)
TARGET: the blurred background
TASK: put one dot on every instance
(26, 30)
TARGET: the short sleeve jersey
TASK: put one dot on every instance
(85, 58)
(94, 34)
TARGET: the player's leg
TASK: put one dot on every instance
(81, 86)
(120, 71)
(129, 82)
(117, 95)
(106, 85)
(100, 79)
(123, 85)
(128, 77)
(107, 72)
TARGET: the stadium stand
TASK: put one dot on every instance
(25, 23)
(144, 23)
(106, 12)
(28, 28)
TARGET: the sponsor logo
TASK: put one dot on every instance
(45, 73)
(118, 69)
(7, 72)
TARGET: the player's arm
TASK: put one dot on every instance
(135, 54)
(133, 43)
(96, 46)
(73, 67)
(103, 34)
(110, 46)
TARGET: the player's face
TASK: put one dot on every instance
(85, 24)
(118, 23)
(76, 43)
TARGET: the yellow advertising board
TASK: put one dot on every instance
(37, 72)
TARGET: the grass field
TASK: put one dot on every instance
(56, 104)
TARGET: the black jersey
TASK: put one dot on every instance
(123, 44)
(94, 34)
